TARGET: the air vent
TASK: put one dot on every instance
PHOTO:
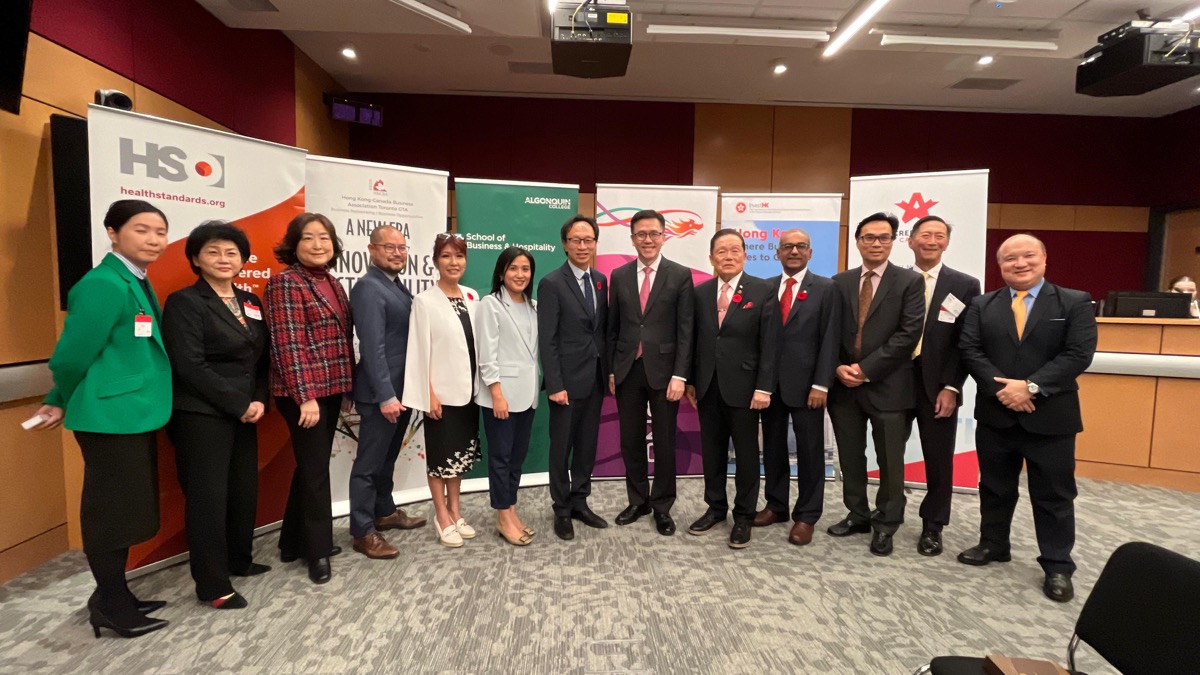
(530, 68)
(983, 83)
(253, 5)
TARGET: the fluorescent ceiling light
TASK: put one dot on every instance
(943, 41)
(1194, 14)
(843, 34)
(434, 14)
(733, 31)
(551, 5)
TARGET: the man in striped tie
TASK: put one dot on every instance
(1025, 344)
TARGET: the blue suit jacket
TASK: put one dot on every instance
(381, 310)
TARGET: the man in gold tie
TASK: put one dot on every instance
(1025, 344)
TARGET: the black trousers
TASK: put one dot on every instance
(850, 410)
(217, 461)
(508, 444)
(307, 529)
(574, 432)
(633, 395)
(371, 476)
(720, 423)
(809, 426)
(1050, 463)
(937, 447)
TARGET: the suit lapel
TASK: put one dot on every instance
(853, 283)
(506, 303)
(568, 273)
(135, 287)
(1040, 307)
(886, 281)
(656, 286)
(804, 286)
(312, 287)
(1004, 312)
(214, 303)
(935, 298)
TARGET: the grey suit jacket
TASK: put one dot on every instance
(506, 354)
(381, 311)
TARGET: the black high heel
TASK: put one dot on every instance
(98, 621)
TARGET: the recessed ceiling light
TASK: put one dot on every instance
(778, 67)
(349, 52)
(985, 60)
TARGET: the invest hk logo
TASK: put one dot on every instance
(171, 163)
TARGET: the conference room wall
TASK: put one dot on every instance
(1182, 243)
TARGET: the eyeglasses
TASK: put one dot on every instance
(448, 235)
(392, 248)
(872, 238)
(794, 247)
(581, 241)
(643, 236)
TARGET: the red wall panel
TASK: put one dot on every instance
(1096, 262)
(1176, 158)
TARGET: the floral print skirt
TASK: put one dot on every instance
(452, 443)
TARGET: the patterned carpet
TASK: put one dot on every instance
(621, 600)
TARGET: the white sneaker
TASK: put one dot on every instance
(450, 537)
(465, 530)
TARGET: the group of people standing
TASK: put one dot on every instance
(878, 344)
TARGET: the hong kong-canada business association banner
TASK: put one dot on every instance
(358, 197)
(491, 216)
(691, 215)
(762, 218)
(959, 198)
(194, 175)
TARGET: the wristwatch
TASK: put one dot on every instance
(1032, 388)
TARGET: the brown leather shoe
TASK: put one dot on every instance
(375, 546)
(768, 517)
(398, 521)
(801, 534)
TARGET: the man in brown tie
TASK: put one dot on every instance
(883, 308)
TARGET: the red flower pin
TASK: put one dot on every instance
(802, 295)
(599, 285)
(737, 297)
(470, 296)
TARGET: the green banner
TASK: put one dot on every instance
(493, 215)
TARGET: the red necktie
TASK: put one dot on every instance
(785, 304)
(643, 296)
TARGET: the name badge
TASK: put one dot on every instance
(251, 311)
(143, 326)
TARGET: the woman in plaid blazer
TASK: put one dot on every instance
(312, 361)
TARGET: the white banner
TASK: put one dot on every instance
(960, 198)
(358, 197)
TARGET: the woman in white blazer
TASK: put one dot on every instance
(506, 339)
(440, 381)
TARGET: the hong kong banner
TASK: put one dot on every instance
(959, 198)
(193, 175)
(691, 215)
(493, 215)
(359, 197)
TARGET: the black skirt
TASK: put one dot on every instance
(119, 504)
(452, 443)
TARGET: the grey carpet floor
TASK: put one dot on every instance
(620, 600)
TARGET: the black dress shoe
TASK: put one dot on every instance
(148, 606)
(589, 518)
(705, 523)
(881, 544)
(664, 523)
(846, 527)
(288, 556)
(318, 570)
(930, 543)
(563, 528)
(981, 555)
(1058, 587)
(740, 536)
(253, 570)
(632, 513)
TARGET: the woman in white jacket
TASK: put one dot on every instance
(440, 381)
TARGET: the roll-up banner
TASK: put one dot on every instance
(358, 197)
(762, 218)
(959, 198)
(691, 216)
(492, 215)
(195, 174)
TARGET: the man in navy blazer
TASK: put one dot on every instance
(380, 304)
(572, 320)
(938, 373)
(807, 356)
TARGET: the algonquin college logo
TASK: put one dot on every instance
(171, 163)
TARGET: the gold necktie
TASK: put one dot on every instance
(920, 340)
(1018, 309)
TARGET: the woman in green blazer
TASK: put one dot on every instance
(112, 387)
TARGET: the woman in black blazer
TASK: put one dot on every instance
(216, 339)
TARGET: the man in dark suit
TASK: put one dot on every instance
(938, 372)
(733, 375)
(380, 305)
(572, 320)
(810, 314)
(883, 307)
(650, 354)
(1025, 345)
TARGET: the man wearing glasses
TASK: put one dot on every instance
(650, 354)
(380, 305)
(572, 319)
(883, 308)
(810, 316)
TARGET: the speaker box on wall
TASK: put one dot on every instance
(72, 200)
